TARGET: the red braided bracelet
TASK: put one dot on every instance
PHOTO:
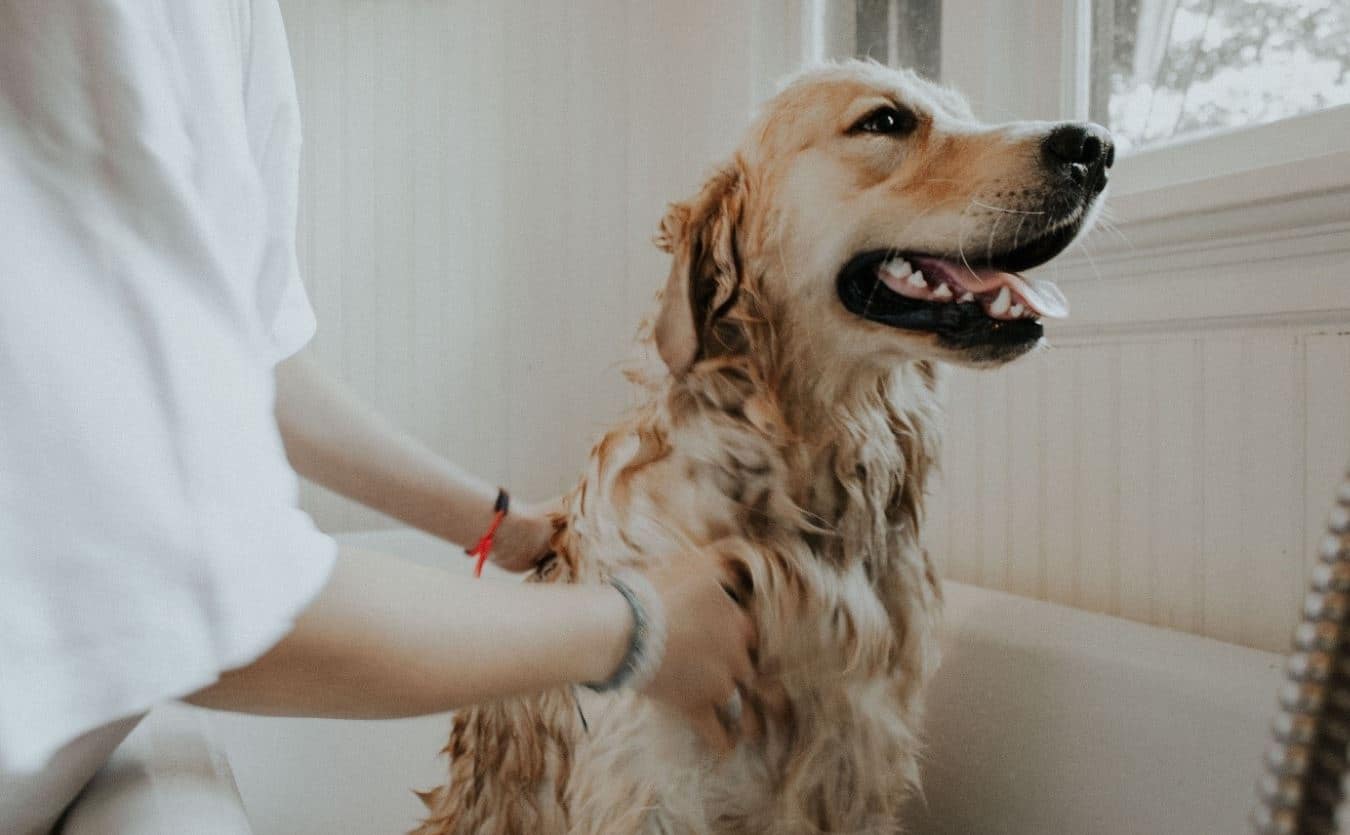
(484, 546)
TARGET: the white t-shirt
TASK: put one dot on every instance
(149, 529)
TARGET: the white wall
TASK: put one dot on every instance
(481, 183)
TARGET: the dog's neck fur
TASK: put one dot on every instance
(866, 433)
(861, 440)
(873, 430)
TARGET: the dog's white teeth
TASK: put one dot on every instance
(916, 280)
(1001, 303)
(1016, 311)
(897, 268)
(942, 294)
(966, 297)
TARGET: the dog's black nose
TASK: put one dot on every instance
(1082, 151)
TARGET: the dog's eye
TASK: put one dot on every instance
(887, 120)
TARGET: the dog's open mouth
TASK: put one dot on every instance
(965, 304)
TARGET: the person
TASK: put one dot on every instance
(153, 415)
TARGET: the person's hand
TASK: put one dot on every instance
(710, 642)
(524, 535)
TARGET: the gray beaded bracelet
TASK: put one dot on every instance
(647, 643)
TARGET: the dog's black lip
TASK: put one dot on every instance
(1028, 255)
(958, 326)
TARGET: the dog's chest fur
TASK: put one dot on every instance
(825, 520)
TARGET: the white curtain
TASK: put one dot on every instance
(1153, 31)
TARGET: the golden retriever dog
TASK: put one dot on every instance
(867, 230)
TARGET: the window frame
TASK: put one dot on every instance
(1223, 168)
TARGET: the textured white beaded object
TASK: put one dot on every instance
(1303, 788)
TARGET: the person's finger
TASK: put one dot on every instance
(731, 713)
(752, 718)
(714, 734)
(515, 564)
(520, 561)
(736, 578)
(743, 667)
(721, 558)
(751, 635)
(772, 699)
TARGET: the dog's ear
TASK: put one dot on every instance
(705, 273)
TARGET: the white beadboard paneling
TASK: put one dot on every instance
(1175, 487)
(960, 465)
(1023, 417)
(992, 487)
(1222, 546)
(1096, 484)
(1135, 464)
(1182, 479)
(1059, 441)
(1272, 486)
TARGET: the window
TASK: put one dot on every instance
(901, 33)
(1162, 69)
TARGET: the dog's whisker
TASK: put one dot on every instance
(989, 244)
(1110, 226)
(1091, 261)
(867, 305)
(960, 242)
(894, 252)
(1005, 209)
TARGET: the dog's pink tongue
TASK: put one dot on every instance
(1040, 295)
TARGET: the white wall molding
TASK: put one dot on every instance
(1207, 215)
(1336, 321)
(1134, 249)
(1239, 267)
(1284, 158)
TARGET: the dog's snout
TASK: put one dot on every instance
(1081, 150)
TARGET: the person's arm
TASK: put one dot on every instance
(335, 440)
(388, 638)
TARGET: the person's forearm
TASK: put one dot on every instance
(336, 441)
(388, 638)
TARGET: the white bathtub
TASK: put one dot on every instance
(1043, 721)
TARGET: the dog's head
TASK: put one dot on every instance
(869, 215)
